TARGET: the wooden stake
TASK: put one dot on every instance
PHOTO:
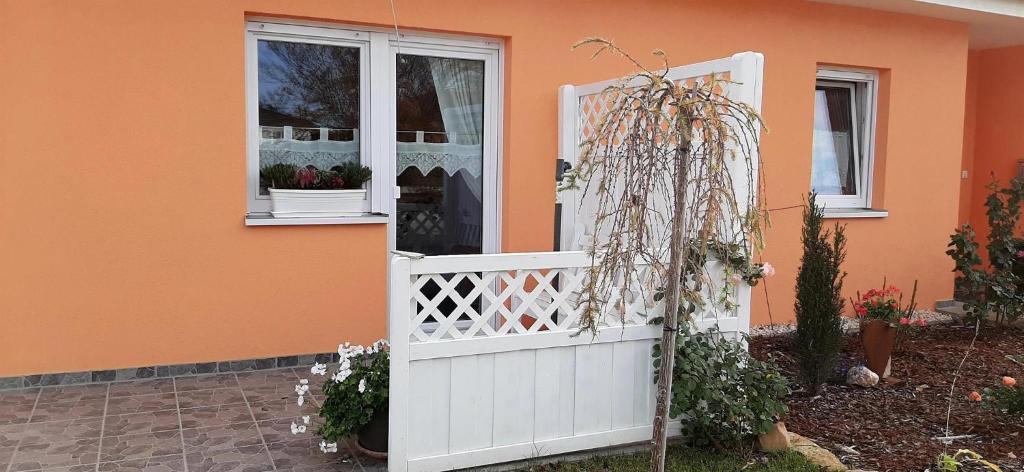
(677, 255)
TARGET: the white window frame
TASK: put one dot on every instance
(257, 31)
(377, 114)
(864, 107)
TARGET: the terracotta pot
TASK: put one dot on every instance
(878, 339)
(373, 438)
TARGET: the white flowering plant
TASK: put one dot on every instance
(354, 391)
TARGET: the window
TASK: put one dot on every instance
(421, 110)
(307, 102)
(844, 133)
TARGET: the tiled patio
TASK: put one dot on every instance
(212, 423)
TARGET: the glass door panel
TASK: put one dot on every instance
(439, 154)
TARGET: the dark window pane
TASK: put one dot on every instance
(308, 104)
(834, 166)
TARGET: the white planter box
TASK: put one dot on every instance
(317, 203)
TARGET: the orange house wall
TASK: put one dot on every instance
(998, 142)
(122, 147)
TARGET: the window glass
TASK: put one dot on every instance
(439, 161)
(834, 167)
(309, 101)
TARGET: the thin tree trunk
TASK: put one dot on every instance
(677, 254)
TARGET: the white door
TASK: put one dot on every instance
(580, 107)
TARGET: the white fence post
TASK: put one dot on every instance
(400, 308)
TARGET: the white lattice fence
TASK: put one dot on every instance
(488, 365)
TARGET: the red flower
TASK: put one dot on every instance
(921, 322)
(1009, 381)
(905, 321)
(975, 396)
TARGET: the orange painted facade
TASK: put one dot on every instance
(996, 79)
(123, 156)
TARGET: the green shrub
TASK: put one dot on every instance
(353, 174)
(356, 392)
(819, 300)
(1007, 398)
(721, 394)
(994, 289)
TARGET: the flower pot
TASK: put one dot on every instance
(289, 203)
(373, 439)
(878, 339)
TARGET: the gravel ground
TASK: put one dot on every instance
(849, 324)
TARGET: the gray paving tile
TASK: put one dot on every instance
(63, 452)
(232, 436)
(172, 463)
(140, 446)
(215, 397)
(78, 407)
(280, 430)
(282, 408)
(72, 393)
(244, 459)
(121, 405)
(6, 454)
(305, 456)
(205, 382)
(58, 431)
(218, 415)
(16, 405)
(141, 387)
(139, 423)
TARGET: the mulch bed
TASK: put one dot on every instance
(890, 427)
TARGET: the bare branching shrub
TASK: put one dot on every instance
(672, 165)
(660, 140)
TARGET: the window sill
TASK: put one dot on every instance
(855, 213)
(266, 219)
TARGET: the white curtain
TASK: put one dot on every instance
(460, 93)
(825, 177)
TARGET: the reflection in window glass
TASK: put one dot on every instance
(834, 167)
(439, 161)
(309, 101)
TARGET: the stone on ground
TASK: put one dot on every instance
(815, 453)
(862, 376)
(775, 439)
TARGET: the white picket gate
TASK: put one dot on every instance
(487, 364)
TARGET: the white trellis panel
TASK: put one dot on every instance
(581, 108)
(487, 362)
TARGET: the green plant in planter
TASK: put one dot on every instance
(353, 174)
(289, 176)
(998, 288)
(354, 393)
(722, 394)
(278, 176)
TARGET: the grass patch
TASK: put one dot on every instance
(684, 459)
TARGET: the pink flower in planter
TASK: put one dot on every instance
(921, 322)
(767, 270)
(905, 321)
(735, 279)
(1020, 253)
